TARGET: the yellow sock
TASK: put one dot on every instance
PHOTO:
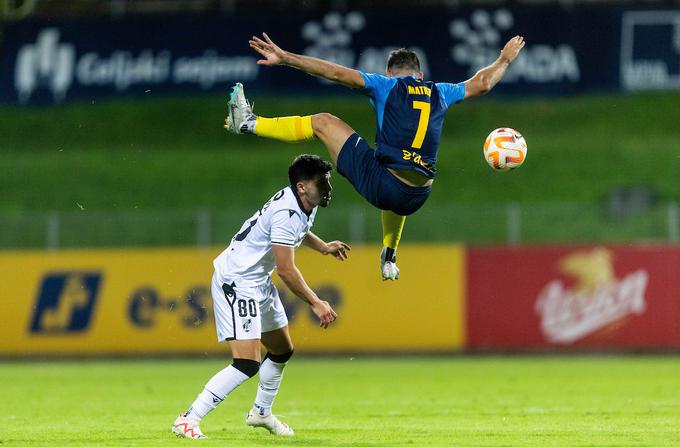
(393, 225)
(285, 128)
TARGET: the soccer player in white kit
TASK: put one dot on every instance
(246, 303)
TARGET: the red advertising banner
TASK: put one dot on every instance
(573, 298)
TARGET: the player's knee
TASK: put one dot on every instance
(247, 366)
(279, 358)
(322, 121)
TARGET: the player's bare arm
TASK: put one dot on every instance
(291, 276)
(274, 55)
(336, 248)
(486, 78)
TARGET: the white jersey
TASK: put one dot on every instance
(249, 259)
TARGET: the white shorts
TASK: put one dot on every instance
(243, 313)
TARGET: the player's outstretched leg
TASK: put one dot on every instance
(393, 225)
(332, 131)
(242, 120)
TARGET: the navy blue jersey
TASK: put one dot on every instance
(410, 116)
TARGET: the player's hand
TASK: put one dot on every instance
(512, 48)
(325, 312)
(338, 249)
(273, 55)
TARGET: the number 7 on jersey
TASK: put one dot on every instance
(423, 122)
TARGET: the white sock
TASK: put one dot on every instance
(270, 380)
(217, 388)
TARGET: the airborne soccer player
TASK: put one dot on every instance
(247, 307)
(397, 176)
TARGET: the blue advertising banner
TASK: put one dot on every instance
(650, 50)
(568, 51)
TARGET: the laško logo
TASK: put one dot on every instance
(598, 299)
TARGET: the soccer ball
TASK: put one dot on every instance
(505, 149)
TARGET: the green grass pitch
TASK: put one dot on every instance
(443, 401)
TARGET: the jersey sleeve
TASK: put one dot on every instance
(376, 85)
(285, 227)
(452, 93)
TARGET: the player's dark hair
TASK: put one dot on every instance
(403, 59)
(307, 167)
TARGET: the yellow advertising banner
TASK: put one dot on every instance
(157, 301)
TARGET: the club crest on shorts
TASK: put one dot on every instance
(247, 325)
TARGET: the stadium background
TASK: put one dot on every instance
(119, 186)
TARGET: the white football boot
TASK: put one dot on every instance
(185, 427)
(270, 422)
(241, 118)
(388, 267)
